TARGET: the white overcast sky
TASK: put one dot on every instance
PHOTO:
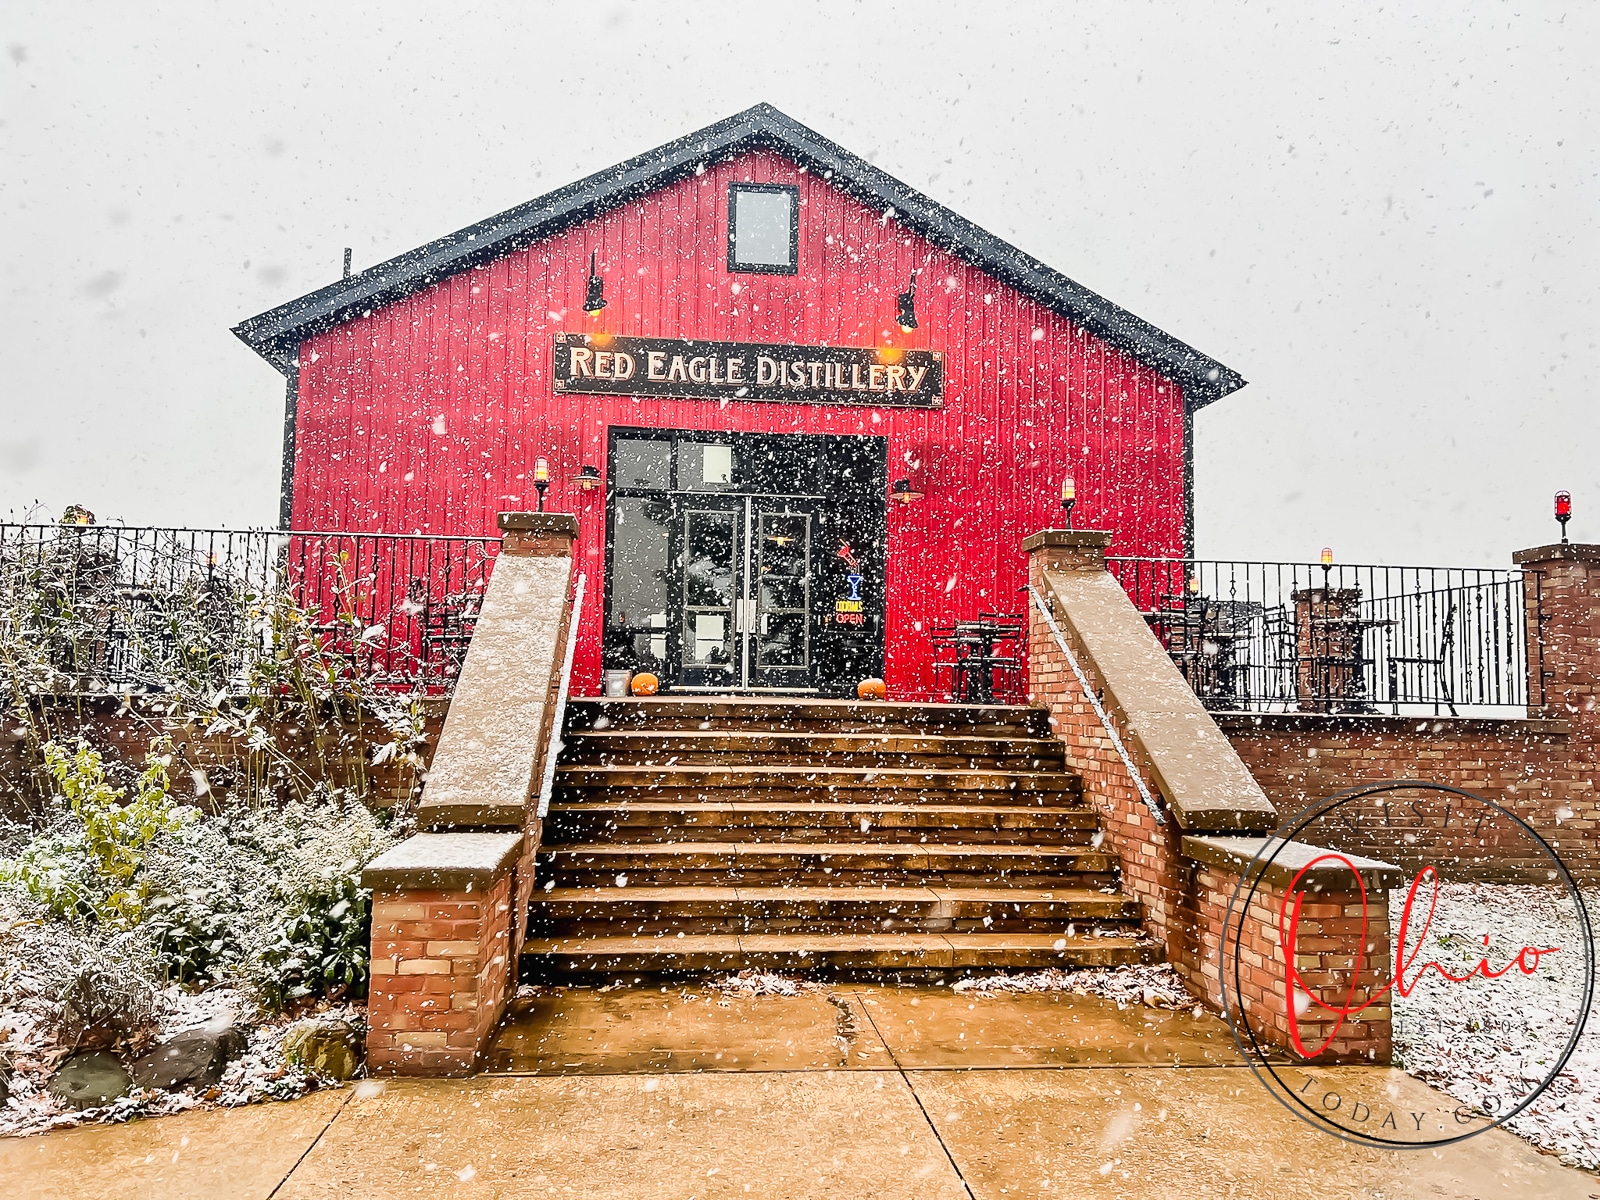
(1385, 218)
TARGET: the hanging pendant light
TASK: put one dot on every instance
(908, 306)
(595, 300)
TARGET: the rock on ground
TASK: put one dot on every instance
(328, 1047)
(193, 1058)
(90, 1080)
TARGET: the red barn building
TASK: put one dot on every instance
(735, 353)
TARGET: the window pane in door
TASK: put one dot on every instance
(639, 580)
(708, 560)
(784, 590)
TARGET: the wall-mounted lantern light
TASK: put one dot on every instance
(1069, 497)
(903, 493)
(1563, 512)
(541, 478)
(595, 300)
(908, 306)
(588, 478)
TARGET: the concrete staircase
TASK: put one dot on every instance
(696, 835)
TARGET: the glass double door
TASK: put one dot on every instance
(747, 584)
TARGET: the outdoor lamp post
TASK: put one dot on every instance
(1069, 497)
(1563, 512)
(903, 493)
(595, 299)
(1327, 565)
(541, 478)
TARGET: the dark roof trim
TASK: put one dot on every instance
(276, 334)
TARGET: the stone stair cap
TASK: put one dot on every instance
(443, 861)
(538, 522)
(1237, 853)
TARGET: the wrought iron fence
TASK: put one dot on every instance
(105, 608)
(1299, 637)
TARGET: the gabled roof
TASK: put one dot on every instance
(276, 334)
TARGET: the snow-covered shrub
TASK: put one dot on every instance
(322, 949)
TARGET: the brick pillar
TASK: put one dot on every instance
(1325, 647)
(442, 950)
(1561, 590)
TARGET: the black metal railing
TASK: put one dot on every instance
(106, 608)
(1301, 637)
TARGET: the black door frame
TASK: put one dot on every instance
(857, 506)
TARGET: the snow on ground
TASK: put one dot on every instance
(1496, 1038)
(1156, 985)
(260, 1074)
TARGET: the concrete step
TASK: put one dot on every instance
(797, 715)
(631, 910)
(875, 953)
(649, 820)
(670, 747)
(822, 863)
(810, 778)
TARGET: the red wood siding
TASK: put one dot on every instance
(426, 415)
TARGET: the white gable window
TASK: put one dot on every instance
(764, 228)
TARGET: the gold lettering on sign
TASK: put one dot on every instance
(605, 364)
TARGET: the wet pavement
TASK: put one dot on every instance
(858, 1091)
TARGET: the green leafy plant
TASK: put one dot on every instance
(88, 867)
(322, 949)
(195, 936)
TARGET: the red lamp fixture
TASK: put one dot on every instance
(1069, 497)
(903, 493)
(541, 478)
(587, 478)
(1563, 512)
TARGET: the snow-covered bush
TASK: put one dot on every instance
(322, 950)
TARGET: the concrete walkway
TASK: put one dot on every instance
(856, 1092)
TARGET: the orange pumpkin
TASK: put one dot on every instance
(645, 684)
(872, 689)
